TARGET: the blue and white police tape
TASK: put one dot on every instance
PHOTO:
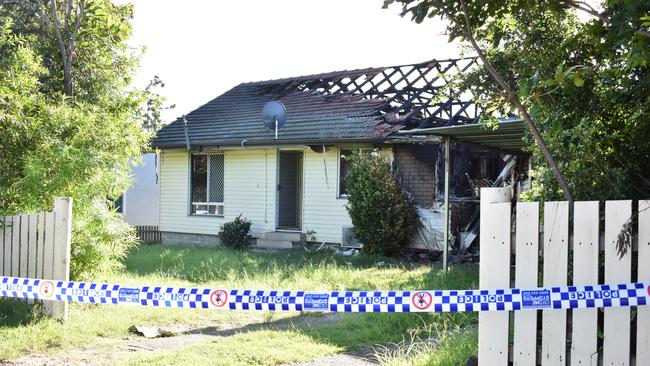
(570, 297)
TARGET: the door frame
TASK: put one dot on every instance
(299, 195)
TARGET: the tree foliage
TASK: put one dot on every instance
(585, 83)
(78, 144)
(384, 218)
(155, 103)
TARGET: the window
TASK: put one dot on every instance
(345, 164)
(206, 179)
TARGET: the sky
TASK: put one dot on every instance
(202, 48)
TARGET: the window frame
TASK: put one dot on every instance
(219, 206)
(338, 193)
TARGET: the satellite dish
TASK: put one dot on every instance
(274, 115)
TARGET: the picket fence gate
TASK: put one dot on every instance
(568, 257)
(38, 246)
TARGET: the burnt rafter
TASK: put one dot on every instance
(416, 96)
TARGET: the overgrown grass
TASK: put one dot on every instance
(95, 325)
(290, 270)
(449, 347)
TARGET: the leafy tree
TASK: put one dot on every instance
(584, 83)
(75, 142)
(155, 104)
(384, 218)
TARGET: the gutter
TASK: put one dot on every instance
(273, 143)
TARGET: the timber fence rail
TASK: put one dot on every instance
(569, 255)
(38, 246)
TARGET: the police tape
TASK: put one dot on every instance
(569, 297)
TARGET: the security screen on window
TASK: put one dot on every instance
(207, 183)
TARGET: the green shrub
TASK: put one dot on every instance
(101, 238)
(236, 233)
(384, 218)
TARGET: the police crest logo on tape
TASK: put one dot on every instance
(316, 301)
(127, 294)
(536, 299)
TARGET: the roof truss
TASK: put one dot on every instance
(417, 96)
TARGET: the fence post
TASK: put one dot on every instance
(526, 276)
(62, 236)
(584, 328)
(494, 273)
(643, 312)
(556, 261)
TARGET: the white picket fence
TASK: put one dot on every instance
(562, 342)
(38, 246)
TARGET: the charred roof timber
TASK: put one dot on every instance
(416, 95)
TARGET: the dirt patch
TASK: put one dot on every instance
(115, 351)
(338, 360)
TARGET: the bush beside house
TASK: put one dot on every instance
(384, 217)
(236, 233)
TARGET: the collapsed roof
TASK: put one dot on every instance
(357, 105)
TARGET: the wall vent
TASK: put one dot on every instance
(348, 239)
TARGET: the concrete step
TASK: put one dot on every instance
(274, 244)
(284, 236)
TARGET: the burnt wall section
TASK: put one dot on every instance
(415, 166)
(468, 162)
(421, 170)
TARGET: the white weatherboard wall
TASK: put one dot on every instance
(323, 211)
(249, 189)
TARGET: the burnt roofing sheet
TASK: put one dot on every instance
(505, 135)
(236, 116)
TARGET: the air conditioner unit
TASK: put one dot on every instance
(349, 241)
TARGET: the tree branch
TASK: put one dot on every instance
(57, 28)
(581, 5)
(77, 24)
(514, 99)
(66, 16)
(66, 54)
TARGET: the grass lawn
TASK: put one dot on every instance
(438, 338)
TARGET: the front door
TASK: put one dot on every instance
(290, 190)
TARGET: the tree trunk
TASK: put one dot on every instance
(514, 100)
(67, 75)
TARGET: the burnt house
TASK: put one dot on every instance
(220, 160)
